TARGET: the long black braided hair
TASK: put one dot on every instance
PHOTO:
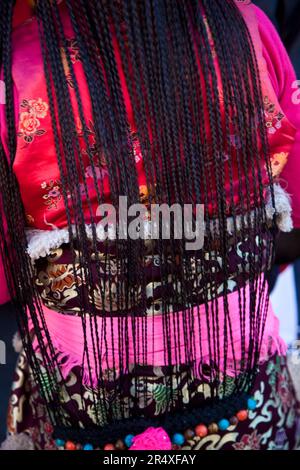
(185, 116)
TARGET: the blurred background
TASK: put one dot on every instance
(285, 14)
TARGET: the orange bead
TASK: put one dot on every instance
(201, 430)
(242, 415)
(70, 445)
(109, 447)
(213, 428)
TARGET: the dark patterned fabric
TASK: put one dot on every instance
(275, 424)
(57, 287)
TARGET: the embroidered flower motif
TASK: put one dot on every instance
(99, 172)
(69, 79)
(29, 120)
(249, 442)
(152, 439)
(137, 152)
(73, 48)
(74, 55)
(278, 161)
(53, 194)
(38, 107)
(273, 117)
(28, 123)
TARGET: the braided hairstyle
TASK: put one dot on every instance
(186, 112)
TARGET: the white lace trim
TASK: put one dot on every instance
(41, 242)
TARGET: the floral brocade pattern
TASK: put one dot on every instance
(32, 112)
(273, 425)
(56, 280)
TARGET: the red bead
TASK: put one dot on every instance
(201, 430)
(242, 415)
(70, 445)
(109, 447)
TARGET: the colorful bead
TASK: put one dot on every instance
(223, 424)
(59, 442)
(78, 447)
(109, 447)
(251, 404)
(213, 428)
(119, 445)
(70, 445)
(88, 447)
(189, 434)
(178, 439)
(233, 421)
(201, 430)
(128, 440)
(242, 415)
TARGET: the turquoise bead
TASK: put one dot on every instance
(223, 424)
(88, 447)
(251, 404)
(59, 442)
(128, 440)
(178, 439)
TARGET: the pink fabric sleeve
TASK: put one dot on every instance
(283, 78)
(4, 294)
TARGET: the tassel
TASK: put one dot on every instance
(283, 209)
(151, 439)
(21, 441)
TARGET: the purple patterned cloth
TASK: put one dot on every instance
(274, 424)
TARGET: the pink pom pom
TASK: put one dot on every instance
(152, 439)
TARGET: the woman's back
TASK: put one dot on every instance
(160, 104)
